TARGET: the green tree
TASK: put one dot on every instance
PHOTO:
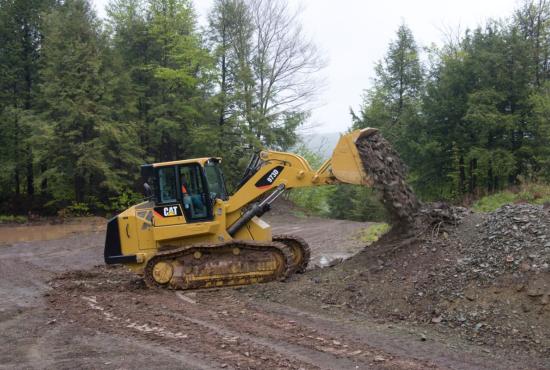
(20, 43)
(476, 107)
(168, 71)
(393, 103)
(469, 126)
(539, 141)
(87, 153)
(228, 35)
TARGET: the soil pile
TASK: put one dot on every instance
(483, 277)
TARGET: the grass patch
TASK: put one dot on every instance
(373, 233)
(527, 193)
(11, 219)
(298, 213)
(491, 202)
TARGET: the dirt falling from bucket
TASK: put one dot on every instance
(388, 172)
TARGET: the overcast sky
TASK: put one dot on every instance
(354, 35)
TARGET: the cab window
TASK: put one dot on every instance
(216, 183)
(167, 184)
(194, 195)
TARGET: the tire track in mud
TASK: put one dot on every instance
(222, 343)
(218, 327)
(150, 318)
(405, 348)
(326, 349)
(317, 357)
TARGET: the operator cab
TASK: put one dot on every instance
(191, 186)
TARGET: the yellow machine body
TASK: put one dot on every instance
(191, 234)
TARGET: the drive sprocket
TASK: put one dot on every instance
(301, 252)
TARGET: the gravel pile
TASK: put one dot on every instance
(514, 237)
(498, 291)
(483, 276)
(480, 277)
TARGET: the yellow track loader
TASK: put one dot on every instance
(192, 234)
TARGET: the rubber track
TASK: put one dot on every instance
(306, 251)
(242, 244)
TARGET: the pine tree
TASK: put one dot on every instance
(85, 150)
(393, 104)
(229, 35)
(168, 73)
(20, 42)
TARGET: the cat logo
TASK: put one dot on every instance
(170, 211)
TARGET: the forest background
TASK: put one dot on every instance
(84, 102)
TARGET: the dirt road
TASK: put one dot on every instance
(61, 308)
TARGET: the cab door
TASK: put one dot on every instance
(167, 210)
(182, 195)
(194, 194)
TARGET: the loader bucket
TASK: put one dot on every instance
(346, 163)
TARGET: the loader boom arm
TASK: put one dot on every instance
(294, 171)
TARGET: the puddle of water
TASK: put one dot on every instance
(25, 233)
(326, 259)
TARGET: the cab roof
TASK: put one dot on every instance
(201, 161)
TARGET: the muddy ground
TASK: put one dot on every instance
(61, 308)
